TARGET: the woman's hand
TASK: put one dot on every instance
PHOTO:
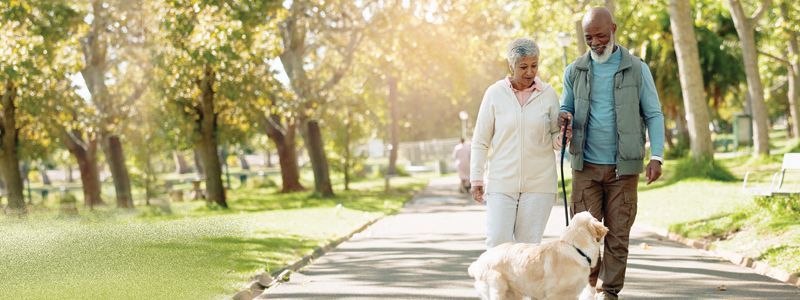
(477, 193)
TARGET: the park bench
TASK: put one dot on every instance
(779, 183)
(419, 169)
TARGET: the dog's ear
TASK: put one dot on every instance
(598, 230)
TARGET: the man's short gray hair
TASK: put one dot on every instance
(520, 48)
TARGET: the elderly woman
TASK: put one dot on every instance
(516, 133)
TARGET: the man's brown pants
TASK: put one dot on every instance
(612, 199)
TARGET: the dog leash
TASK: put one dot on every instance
(563, 185)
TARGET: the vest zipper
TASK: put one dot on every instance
(588, 109)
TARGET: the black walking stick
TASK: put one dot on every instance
(563, 185)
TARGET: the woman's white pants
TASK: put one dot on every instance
(517, 217)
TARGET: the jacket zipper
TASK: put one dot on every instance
(522, 135)
(521, 144)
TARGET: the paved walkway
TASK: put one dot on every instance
(424, 252)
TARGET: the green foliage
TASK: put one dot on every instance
(400, 169)
(67, 198)
(702, 168)
(784, 256)
(349, 126)
(792, 147)
(788, 204)
(232, 41)
(714, 228)
(261, 183)
(680, 149)
(37, 54)
(758, 230)
(155, 211)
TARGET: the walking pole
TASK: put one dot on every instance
(563, 185)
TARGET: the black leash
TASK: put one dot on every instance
(563, 185)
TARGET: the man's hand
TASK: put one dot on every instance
(653, 171)
(477, 193)
(565, 117)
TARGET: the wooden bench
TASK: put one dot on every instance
(790, 164)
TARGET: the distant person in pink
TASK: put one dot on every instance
(461, 154)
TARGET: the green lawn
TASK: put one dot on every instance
(722, 212)
(193, 253)
(689, 200)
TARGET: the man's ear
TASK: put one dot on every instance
(613, 28)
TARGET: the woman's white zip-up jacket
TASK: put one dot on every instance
(512, 146)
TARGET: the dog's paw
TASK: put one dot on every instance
(587, 293)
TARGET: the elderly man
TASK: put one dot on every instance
(613, 99)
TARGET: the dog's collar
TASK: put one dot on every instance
(589, 260)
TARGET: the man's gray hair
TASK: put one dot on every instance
(520, 48)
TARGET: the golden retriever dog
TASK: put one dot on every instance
(554, 270)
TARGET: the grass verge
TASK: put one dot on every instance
(718, 211)
(194, 252)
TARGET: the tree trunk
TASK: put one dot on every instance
(682, 136)
(9, 159)
(207, 147)
(268, 158)
(181, 167)
(287, 158)
(70, 177)
(668, 138)
(243, 162)
(285, 142)
(198, 163)
(609, 4)
(25, 171)
(43, 173)
(86, 155)
(95, 48)
(112, 147)
(794, 75)
(744, 26)
(346, 166)
(319, 163)
(148, 180)
(579, 36)
(393, 134)
(793, 95)
(691, 79)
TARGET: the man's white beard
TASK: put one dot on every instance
(602, 58)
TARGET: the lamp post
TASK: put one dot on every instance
(563, 40)
(463, 115)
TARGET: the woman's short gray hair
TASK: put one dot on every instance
(521, 48)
